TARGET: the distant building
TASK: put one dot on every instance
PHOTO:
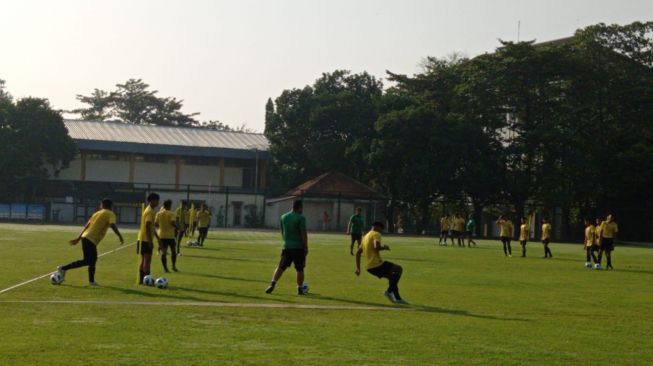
(332, 193)
(227, 170)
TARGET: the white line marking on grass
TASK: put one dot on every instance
(49, 273)
(208, 304)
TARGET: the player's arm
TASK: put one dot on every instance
(358, 261)
(379, 247)
(79, 237)
(304, 240)
(348, 227)
(115, 230)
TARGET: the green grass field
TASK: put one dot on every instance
(469, 306)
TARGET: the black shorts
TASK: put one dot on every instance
(545, 241)
(506, 239)
(444, 232)
(384, 270)
(146, 248)
(356, 237)
(290, 256)
(595, 248)
(607, 244)
(204, 231)
(455, 233)
(165, 243)
(522, 242)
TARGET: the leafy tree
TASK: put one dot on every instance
(100, 105)
(219, 126)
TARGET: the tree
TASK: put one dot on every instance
(100, 105)
(34, 143)
(219, 126)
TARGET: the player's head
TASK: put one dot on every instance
(359, 210)
(204, 206)
(298, 206)
(545, 219)
(106, 204)
(588, 221)
(598, 220)
(523, 220)
(183, 204)
(153, 199)
(502, 217)
(378, 226)
(610, 218)
(167, 204)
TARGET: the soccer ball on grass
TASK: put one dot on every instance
(161, 282)
(148, 280)
(56, 278)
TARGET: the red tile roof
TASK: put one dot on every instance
(334, 184)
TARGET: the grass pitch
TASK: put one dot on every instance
(469, 306)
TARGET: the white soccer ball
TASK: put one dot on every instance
(161, 282)
(305, 287)
(56, 278)
(148, 280)
(588, 264)
(597, 266)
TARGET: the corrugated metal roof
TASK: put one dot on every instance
(117, 136)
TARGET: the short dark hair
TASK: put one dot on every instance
(167, 204)
(152, 197)
(378, 224)
(107, 203)
(297, 204)
(545, 218)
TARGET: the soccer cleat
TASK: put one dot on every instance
(390, 296)
(94, 284)
(175, 269)
(269, 289)
(301, 291)
(402, 302)
(62, 272)
(166, 270)
(588, 265)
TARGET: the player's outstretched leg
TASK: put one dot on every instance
(278, 272)
(393, 280)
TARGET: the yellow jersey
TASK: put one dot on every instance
(609, 229)
(590, 234)
(460, 224)
(164, 220)
(203, 218)
(546, 231)
(506, 228)
(444, 224)
(98, 225)
(523, 232)
(148, 216)
(372, 256)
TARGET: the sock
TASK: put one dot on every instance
(164, 261)
(140, 279)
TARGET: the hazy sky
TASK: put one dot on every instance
(225, 58)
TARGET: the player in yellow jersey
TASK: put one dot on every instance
(608, 234)
(590, 244)
(444, 230)
(166, 224)
(147, 234)
(91, 236)
(378, 267)
(203, 221)
(181, 215)
(524, 231)
(506, 232)
(546, 237)
(459, 229)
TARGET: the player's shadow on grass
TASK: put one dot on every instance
(633, 270)
(224, 277)
(231, 294)
(158, 294)
(421, 308)
(220, 258)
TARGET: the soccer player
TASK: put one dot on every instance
(590, 243)
(181, 215)
(608, 234)
(444, 229)
(203, 221)
(91, 236)
(192, 220)
(471, 225)
(166, 223)
(452, 230)
(524, 230)
(506, 232)
(147, 234)
(378, 267)
(546, 237)
(460, 229)
(295, 246)
(355, 229)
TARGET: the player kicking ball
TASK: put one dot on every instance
(376, 266)
(295, 247)
(91, 236)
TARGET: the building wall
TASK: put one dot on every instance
(106, 171)
(147, 172)
(233, 177)
(199, 175)
(73, 172)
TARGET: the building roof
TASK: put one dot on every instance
(334, 185)
(160, 140)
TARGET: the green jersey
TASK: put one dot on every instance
(292, 224)
(357, 224)
(470, 225)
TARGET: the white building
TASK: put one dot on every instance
(227, 170)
